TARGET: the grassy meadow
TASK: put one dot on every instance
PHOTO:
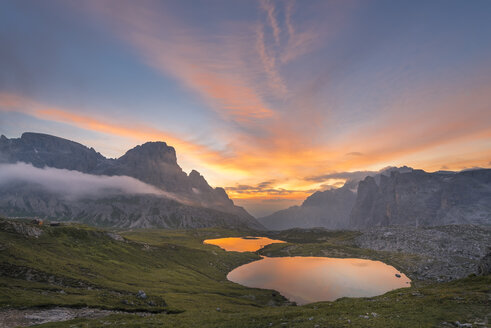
(186, 286)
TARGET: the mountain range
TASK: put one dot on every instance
(166, 196)
(50, 177)
(394, 197)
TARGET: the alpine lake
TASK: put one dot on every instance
(308, 279)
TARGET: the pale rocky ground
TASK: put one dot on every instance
(450, 252)
(25, 318)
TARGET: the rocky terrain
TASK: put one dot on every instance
(448, 252)
(185, 201)
(393, 197)
(30, 317)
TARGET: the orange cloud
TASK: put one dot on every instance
(218, 69)
(237, 74)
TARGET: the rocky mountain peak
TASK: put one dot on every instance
(195, 175)
(323, 197)
(45, 150)
(198, 181)
(154, 163)
(151, 152)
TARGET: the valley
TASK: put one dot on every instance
(184, 281)
(245, 164)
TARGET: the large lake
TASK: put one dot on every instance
(311, 279)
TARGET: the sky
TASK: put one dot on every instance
(268, 99)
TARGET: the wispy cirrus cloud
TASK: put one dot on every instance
(275, 102)
(218, 68)
(269, 8)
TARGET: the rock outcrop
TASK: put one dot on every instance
(484, 265)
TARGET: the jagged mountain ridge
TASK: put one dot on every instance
(154, 163)
(419, 198)
(395, 196)
(328, 209)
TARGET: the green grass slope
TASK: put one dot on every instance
(185, 280)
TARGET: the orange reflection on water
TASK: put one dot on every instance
(242, 244)
(312, 279)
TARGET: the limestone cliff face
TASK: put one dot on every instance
(154, 163)
(394, 197)
(419, 198)
(45, 150)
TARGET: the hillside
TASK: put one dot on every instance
(98, 275)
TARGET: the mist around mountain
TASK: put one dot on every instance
(329, 209)
(51, 177)
(394, 196)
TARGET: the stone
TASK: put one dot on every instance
(141, 294)
(484, 265)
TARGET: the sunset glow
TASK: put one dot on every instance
(264, 98)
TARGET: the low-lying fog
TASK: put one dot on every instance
(74, 184)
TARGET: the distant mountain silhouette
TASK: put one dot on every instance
(329, 209)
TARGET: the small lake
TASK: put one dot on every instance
(242, 244)
(311, 279)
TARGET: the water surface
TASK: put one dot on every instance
(242, 244)
(312, 279)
